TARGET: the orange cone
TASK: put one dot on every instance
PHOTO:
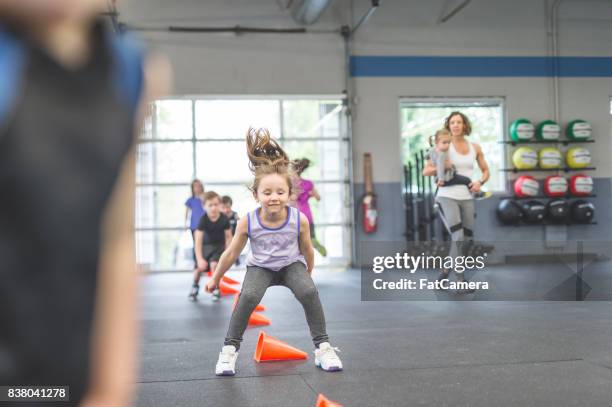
(229, 280)
(227, 289)
(269, 349)
(323, 401)
(259, 307)
(258, 319)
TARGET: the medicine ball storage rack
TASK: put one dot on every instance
(516, 198)
(564, 142)
(564, 169)
(570, 199)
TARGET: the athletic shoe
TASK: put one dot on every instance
(319, 247)
(226, 365)
(326, 358)
(193, 295)
(216, 294)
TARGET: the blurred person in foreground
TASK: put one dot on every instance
(72, 96)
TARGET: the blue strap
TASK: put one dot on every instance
(249, 224)
(128, 70)
(129, 73)
(11, 68)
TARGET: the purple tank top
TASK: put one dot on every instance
(274, 248)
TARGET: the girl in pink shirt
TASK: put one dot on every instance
(306, 191)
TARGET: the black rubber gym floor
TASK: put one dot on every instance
(394, 353)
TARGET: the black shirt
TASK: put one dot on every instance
(214, 232)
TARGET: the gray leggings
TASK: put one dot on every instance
(257, 280)
(458, 218)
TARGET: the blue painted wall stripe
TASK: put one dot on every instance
(450, 66)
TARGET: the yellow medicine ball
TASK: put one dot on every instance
(578, 157)
(550, 157)
(525, 158)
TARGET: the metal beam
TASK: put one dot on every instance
(445, 16)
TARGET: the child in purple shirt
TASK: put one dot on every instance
(281, 254)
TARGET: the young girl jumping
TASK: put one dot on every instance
(281, 253)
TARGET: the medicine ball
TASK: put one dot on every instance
(557, 210)
(581, 185)
(578, 130)
(578, 157)
(582, 211)
(521, 130)
(509, 212)
(533, 211)
(555, 186)
(550, 157)
(525, 158)
(548, 130)
(526, 186)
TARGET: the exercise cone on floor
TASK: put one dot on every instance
(229, 280)
(258, 319)
(271, 349)
(323, 401)
(227, 289)
(259, 307)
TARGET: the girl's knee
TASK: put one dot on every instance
(307, 294)
(248, 297)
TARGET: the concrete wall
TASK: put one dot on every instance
(314, 64)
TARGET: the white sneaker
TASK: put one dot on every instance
(326, 358)
(226, 365)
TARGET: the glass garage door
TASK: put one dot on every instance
(203, 138)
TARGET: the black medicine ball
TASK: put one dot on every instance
(533, 211)
(557, 210)
(582, 211)
(509, 212)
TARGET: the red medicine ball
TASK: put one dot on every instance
(555, 186)
(581, 185)
(526, 186)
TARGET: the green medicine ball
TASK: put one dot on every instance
(521, 130)
(548, 130)
(578, 130)
(578, 157)
(550, 157)
(525, 158)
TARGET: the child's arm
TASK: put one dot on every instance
(429, 169)
(230, 255)
(228, 238)
(186, 216)
(315, 194)
(199, 238)
(305, 243)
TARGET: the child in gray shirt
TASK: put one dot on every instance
(446, 173)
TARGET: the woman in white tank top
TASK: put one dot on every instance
(455, 202)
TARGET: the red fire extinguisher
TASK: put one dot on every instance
(368, 202)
